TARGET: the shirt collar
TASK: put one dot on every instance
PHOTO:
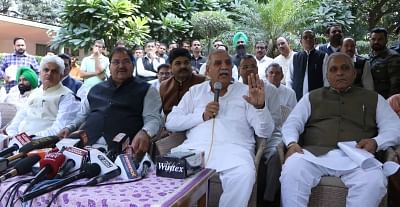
(18, 55)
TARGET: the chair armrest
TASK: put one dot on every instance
(280, 149)
(260, 146)
(164, 145)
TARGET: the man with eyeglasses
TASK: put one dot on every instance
(306, 72)
(262, 59)
(122, 104)
(163, 73)
(18, 58)
(94, 68)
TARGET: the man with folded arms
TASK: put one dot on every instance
(326, 116)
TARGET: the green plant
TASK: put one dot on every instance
(110, 20)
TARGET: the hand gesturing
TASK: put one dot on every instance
(256, 92)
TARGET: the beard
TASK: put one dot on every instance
(23, 88)
(336, 40)
(378, 47)
(241, 50)
(20, 51)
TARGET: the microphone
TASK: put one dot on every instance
(88, 171)
(9, 150)
(43, 142)
(145, 166)
(49, 165)
(127, 165)
(22, 167)
(102, 160)
(78, 156)
(65, 168)
(217, 90)
(105, 177)
(16, 142)
(35, 144)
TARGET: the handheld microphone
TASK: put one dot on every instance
(100, 158)
(39, 143)
(145, 166)
(16, 142)
(9, 150)
(105, 177)
(217, 90)
(5, 162)
(49, 166)
(22, 167)
(88, 171)
(77, 155)
(127, 165)
(65, 168)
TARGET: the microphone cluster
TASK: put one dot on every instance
(60, 166)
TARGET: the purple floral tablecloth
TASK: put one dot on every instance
(151, 191)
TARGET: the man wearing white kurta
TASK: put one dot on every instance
(262, 59)
(50, 107)
(224, 130)
(286, 56)
(326, 116)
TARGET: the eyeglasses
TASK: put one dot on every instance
(124, 62)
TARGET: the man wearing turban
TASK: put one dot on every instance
(27, 80)
(239, 42)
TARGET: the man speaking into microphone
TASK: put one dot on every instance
(122, 104)
(224, 128)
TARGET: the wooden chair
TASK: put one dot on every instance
(8, 112)
(164, 146)
(331, 191)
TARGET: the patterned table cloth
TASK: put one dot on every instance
(151, 191)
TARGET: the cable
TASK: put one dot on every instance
(212, 141)
(9, 187)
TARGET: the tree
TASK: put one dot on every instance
(44, 11)
(210, 24)
(110, 20)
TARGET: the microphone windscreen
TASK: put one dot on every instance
(39, 143)
(217, 86)
(25, 165)
(54, 160)
(92, 170)
(217, 89)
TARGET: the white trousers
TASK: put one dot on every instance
(299, 176)
(237, 185)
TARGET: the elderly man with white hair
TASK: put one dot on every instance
(50, 107)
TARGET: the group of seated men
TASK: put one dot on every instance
(225, 128)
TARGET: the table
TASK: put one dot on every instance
(151, 191)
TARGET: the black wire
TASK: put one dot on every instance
(9, 187)
(15, 202)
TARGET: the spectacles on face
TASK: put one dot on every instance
(124, 62)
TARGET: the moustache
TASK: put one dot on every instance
(223, 72)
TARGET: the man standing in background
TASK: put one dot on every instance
(13, 61)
